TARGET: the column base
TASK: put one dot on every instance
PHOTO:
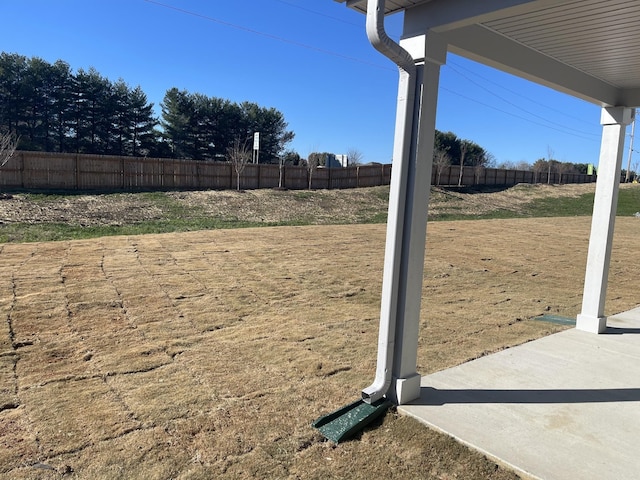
(406, 389)
(591, 324)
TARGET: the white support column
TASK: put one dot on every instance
(614, 121)
(429, 52)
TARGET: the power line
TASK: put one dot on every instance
(266, 35)
(342, 20)
(517, 106)
(337, 19)
(516, 116)
(452, 64)
(514, 92)
(449, 64)
(579, 134)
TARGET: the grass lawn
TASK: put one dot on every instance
(39, 217)
(207, 354)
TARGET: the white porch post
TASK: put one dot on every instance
(429, 52)
(614, 121)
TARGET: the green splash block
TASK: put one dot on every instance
(556, 319)
(350, 419)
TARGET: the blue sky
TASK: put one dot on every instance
(310, 60)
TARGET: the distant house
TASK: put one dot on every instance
(336, 161)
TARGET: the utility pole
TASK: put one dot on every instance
(627, 177)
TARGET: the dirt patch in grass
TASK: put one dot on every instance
(516, 199)
(274, 206)
(254, 206)
(192, 210)
(85, 210)
(208, 354)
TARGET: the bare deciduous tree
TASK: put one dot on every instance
(441, 159)
(239, 155)
(312, 165)
(490, 160)
(8, 145)
(354, 156)
(478, 172)
(281, 162)
(538, 167)
(463, 152)
(549, 163)
(562, 167)
(507, 165)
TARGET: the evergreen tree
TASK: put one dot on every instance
(13, 71)
(175, 121)
(62, 107)
(142, 124)
(93, 123)
(36, 109)
(118, 111)
(474, 154)
(450, 143)
(201, 124)
(272, 126)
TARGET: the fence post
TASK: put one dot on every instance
(258, 172)
(122, 181)
(22, 169)
(77, 172)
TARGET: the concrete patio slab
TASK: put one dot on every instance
(566, 406)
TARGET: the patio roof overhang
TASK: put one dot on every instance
(586, 48)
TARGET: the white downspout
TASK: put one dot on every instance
(402, 154)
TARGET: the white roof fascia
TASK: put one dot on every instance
(462, 25)
(489, 47)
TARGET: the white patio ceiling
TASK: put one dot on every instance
(587, 48)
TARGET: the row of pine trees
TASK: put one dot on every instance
(54, 109)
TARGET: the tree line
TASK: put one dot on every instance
(51, 108)
(451, 150)
(544, 168)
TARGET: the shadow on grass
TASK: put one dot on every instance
(471, 189)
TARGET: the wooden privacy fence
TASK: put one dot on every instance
(83, 172)
(67, 171)
(450, 175)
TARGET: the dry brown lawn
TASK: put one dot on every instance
(208, 354)
(355, 205)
